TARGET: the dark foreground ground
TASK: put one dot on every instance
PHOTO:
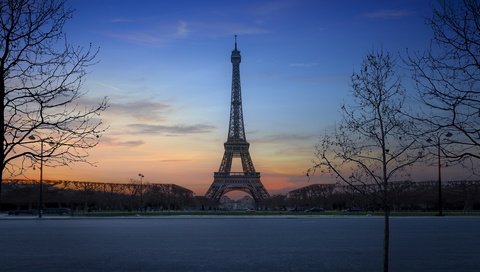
(238, 244)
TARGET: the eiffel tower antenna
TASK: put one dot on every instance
(236, 146)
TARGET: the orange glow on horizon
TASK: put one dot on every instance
(194, 172)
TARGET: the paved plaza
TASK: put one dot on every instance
(238, 244)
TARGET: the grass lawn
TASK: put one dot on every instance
(268, 213)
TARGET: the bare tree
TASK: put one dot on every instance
(371, 145)
(448, 78)
(41, 76)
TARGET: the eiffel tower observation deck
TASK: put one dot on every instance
(236, 146)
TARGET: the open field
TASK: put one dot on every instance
(229, 243)
(271, 213)
(77, 214)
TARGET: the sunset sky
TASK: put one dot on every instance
(165, 67)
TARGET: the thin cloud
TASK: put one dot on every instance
(153, 36)
(141, 110)
(121, 20)
(182, 29)
(108, 86)
(169, 130)
(310, 64)
(110, 141)
(388, 14)
(182, 160)
(221, 29)
(148, 32)
(139, 37)
(284, 138)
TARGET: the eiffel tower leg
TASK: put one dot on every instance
(226, 165)
(225, 182)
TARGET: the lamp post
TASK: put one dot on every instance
(141, 190)
(440, 200)
(40, 191)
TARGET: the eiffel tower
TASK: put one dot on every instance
(236, 146)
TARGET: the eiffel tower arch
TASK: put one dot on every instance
(236, 146)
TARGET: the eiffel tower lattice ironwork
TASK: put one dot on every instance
(236, 146)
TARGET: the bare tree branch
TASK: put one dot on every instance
(41, 76)
(448, 77)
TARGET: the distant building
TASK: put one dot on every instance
(244, 203)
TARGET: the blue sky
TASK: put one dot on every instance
(165, 66)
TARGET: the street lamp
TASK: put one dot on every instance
(141, 190)
(40, 194)
(440, 202)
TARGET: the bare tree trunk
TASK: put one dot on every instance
(386, 237)
(386, 221)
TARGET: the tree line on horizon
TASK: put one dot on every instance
(79, 196)
(82, 196)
